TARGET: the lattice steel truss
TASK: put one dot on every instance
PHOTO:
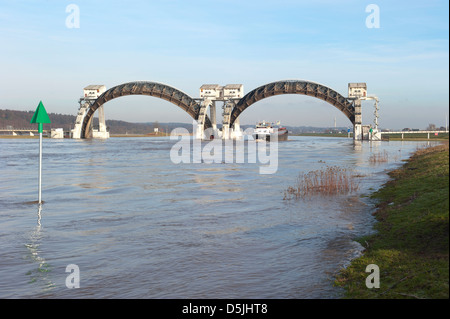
(295, 87)
(163, 91)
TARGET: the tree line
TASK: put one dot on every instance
(21, 119)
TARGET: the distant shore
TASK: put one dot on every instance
(387, 136)
(390, 137)
(139, 135)
(112, 135)
(19, 136)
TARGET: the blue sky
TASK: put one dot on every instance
(189, 43)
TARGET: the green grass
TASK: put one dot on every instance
(391, 137)
(416, 137)
(411, 242)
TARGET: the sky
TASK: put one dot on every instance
(50, 52)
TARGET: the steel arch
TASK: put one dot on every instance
(295, 87)
(154, 89)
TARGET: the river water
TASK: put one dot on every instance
(138, 225)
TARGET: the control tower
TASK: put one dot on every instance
(209, 95)
(90, 94)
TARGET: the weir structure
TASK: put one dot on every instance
(234, 103)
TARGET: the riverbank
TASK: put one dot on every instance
(411, 243)
(388, 137)
(112, 135)
(416, 137)
(140, 135)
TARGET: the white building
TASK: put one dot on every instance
(217, 92)
(211, 91)
(233, 91)
(92, 92)
(57, 133)
(356, 90)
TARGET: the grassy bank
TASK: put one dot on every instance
(391, 137)
(411, 243)
(416, 137)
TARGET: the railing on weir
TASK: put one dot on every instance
(22, 129)
(402, 133)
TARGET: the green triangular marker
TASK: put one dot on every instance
(40, 116)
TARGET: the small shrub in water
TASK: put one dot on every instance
(381, 157)
(330, 181)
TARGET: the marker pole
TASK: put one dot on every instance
(40, 117)
(40, 163)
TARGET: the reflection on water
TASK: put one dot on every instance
(139, 226)
(39, 217)
(40, 275)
